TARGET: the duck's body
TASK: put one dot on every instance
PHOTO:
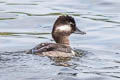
(63, 27)
(52, 49)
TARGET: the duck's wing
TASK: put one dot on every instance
(32, 51)
(46, 47)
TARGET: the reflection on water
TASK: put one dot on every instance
(26, 23)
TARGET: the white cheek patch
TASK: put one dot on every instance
(64, 28)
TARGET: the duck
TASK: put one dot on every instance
(63, 27)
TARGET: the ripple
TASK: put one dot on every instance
(48, 14)
(23, 34)
(7, 18)
(21, 4)
(2, 2)
(104, 20)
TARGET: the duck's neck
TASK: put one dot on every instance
(62, 40)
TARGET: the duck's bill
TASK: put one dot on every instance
(79, 32)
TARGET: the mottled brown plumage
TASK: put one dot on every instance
(64, 26)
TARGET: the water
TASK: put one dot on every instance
(26, 23)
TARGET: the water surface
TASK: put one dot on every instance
(26, 23)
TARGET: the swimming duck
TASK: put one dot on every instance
(63, 27)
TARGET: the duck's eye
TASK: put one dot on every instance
(71, 23)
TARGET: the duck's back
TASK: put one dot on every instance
(52, 49)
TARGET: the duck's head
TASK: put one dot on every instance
(63, 27)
